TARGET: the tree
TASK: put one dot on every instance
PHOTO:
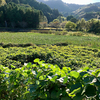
(63, 24)
(70, 26)
(69, 17)
(81, 25)
(73, 20)
(23, 24)
(56, 23)
(19, 16)
(94, 26)
(43, 24)
(87, 25)
(51, 14)
(1, 17)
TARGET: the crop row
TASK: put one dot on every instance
(69, 56)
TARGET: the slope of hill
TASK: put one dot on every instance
(64, 8)
(48, 12)
(56, 4)
(97, 4)
(19, 16)
(79, 11)
(49, 8)
(87, 12)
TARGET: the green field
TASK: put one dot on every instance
(38, 38)
(77, 52)
(53, 67)
(75, 57)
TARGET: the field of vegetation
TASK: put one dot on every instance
(46, 56)
(70, 38)
(37, 66)
(70, 56)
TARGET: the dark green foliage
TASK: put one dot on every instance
(47, 11)
(92, 26)
(69, 17)
(14, 14)
(73, 20)
(15, 45)
(95, 27)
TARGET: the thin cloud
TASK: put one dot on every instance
(81, 1)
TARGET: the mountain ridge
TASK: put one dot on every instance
(61, 6)
(79, 11)
(88, 11)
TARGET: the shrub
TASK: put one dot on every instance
(57, 33)
(76, 34)
(64, 32)
(51, 31)
(70, 26)
(61, 32)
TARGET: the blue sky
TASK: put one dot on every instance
(81, 1)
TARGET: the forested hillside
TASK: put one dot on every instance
(25, 13)
(79, 11)
(47, 11)
(57, 4)
(64, 8)
(88, 12)
(16, 15)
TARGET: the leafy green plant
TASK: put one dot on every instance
(41, 81)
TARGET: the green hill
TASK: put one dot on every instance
(79, 11)
(19, 16)
(64, 8)
(51, 14)
(87, 12)
(57, 4)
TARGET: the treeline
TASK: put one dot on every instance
(92, 25)
(16, 15)
(73, 24)
(51, 14)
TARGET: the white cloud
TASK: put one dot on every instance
(79, 1)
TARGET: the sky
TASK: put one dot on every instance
(81, 1)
